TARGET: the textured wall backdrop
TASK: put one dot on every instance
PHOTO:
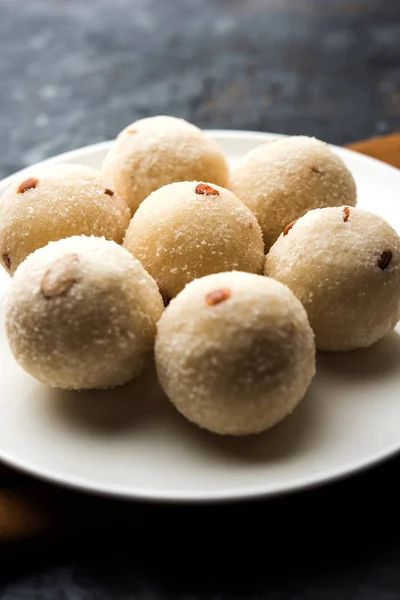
(75, 72)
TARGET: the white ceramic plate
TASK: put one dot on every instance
(131, 442)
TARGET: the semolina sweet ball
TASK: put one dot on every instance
(343, 264)
(55, 202)
(283, 179)
(81, 313)
(235, 352)
(189, 229)
(155, 151)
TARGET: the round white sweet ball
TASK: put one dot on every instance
(283, 179)
(235, 352)
(187, 230)
(155, 151)
(55, 202)
(81, 313)
(343, 264)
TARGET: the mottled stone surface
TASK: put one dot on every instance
(74, 72)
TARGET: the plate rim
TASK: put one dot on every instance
(217, 133)
(198, 497)
(193, 498)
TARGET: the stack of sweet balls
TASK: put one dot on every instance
(230, 281)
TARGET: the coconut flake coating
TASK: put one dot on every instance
(54, 202)
(155, 151)
(235, 352)
(187, 230)
(81, 313)
(283, 179)
(343, 264)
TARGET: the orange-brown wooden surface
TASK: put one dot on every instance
(386, 148)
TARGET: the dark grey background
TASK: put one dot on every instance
(75, 72)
